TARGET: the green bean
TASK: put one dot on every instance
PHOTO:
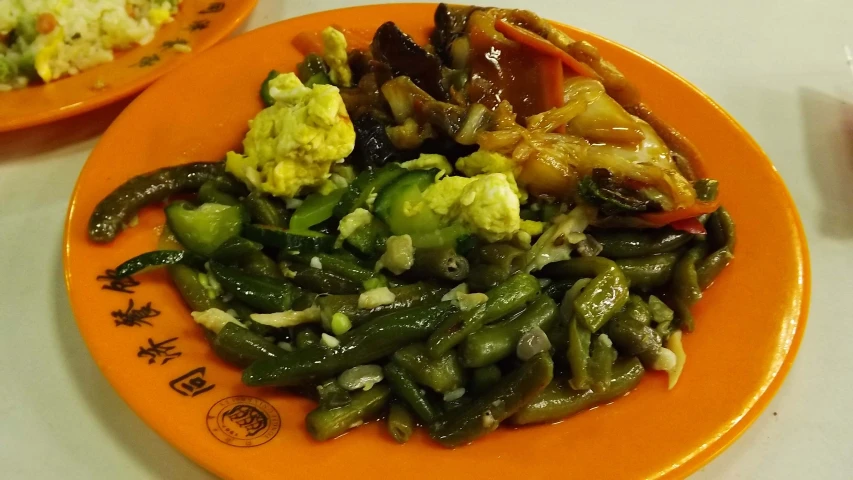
(484, 378)
(332, 395)
(601, 363)
(659, 311)
(484, 413)
(370, 239)
(344, 267)
(307, 338)
(235, 249)
(558, 334)
(498, 341)
(159, 258)
(493, 264)
(605, 294)
(192, 291)
(556, 290)
(683, 317)
(240, 346)
(116, 209)
(257, 263)
(721, 228)
(709, 268)
(365, 344)
(706, 189)
(443, 375)
(441, 263)
(267, 295)
(638, 310)
(559, 401)
(265, 211)
(631, 337)
(640, 243)
(322, 281)
(485, 277)
(401, 424)
(326, 423)
(209, 193)
(685, 281)
(404, 387)
(580, 339)
(647, 273)
(404, 296)
(504, 299)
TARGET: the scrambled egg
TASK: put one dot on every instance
(335, 55)
(427, 161)
(487, 204)
(483, 161)
(294, 143)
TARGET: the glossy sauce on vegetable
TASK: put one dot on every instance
(505, 70)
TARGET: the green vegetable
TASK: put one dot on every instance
(631, 243)
(347, 268)
(647, 273)
(300, 241)
(368, 183)
(401, 424)
(322, 281)
(508, 297)
(159, 258)
(332, 395)
(315, 209)
(494, 263)
(257, 263)
(685, 280)
(396, 204)
(307, 338)
(265, 294)
(365, 344)
(638, 310)
(721, 230)
(203, 229)
(195, 295)
(115, 211)
(450, 236)
(265, 211)
(265, 89)
(327, 423)
(484, 378)
(659, 311)
(235, 249)
(369, 240)
(441, 263)
(484, 413)
(605, 295)
(240, 346)
(497, 341)
(404, 387)
(580, 340)
(404, 297)
(210, 193)
(340, 324)
(312, 65)
(559, 401)
(601, 363)
(443, 375)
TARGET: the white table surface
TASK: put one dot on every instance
(777, 66)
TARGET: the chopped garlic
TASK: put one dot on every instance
(288, 318)
(214, 319)
(376, 298)
(674, 344)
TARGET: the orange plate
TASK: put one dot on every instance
(201, 23)
(749, 324)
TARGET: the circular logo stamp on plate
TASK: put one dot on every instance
(243, 421)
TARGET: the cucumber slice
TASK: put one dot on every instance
(291, 240)
(400, 204)
(203, 229)
(367, 183)
(443, 237)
